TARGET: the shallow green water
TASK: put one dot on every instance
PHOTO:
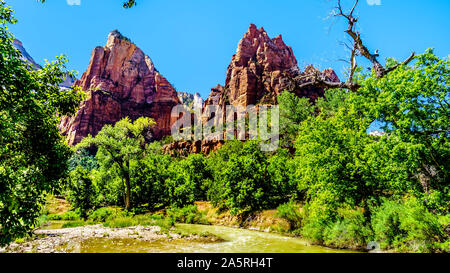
(236, 241)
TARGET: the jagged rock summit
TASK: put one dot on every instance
(121, 81)
(260, 70)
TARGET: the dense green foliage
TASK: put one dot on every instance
(188, 215)
(407, 225)
(117, 147)
(82, 192)
(290, 212)
(293, 111)
(33, 155)
(354, 188)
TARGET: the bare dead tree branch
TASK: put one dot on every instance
(354, 64)
(320, 80)
(359, 49)
(379, 69)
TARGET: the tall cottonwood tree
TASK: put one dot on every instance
(33, 154)
(118, 145)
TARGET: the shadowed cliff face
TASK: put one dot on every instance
(121, 81)
(260, 70)
(25, 56)
(67, 81)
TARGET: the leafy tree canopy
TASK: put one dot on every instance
(33, 154)
(118, 145)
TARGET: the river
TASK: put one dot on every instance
(235, 241)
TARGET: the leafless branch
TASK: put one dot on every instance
(318, 79)
(379, 69)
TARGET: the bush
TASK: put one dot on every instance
(122, 222)
(82, 192)
(291, 213)
(83, 158)
(148, 177)
(102, 214)
(142, 220)
(70, 215)
(188, 215)
(438, 201)
(242, 183)
(187, 181)
(406, 226)
(349, 231)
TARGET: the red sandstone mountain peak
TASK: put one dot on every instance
(262, 69)
(121, 81)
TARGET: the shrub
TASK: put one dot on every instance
(349, 231)
(406, 226)
(70, 215)
(102, 214)
(317, 216)
(83, 158)
(242, 183)
(142, 220)
(82, 192)
(187, 181)
(291, 213)
(188, 215)
(438, 201)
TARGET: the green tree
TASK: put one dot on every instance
(33, 155)
(148, 180)
(281, 170)
(82, 192)
(293, 111)
(331, 169)
(83, 158)
(413, 103)
(242, 184)
(333, 100)
(329, 155)
(188, 180)
(120, 144)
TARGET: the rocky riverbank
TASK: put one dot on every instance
(69, 239)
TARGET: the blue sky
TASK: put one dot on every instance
(192, 41)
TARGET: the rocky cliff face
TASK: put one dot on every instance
(121, 81)
(260, 70)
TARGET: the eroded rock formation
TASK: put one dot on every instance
(121, 81)
(260, 70)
